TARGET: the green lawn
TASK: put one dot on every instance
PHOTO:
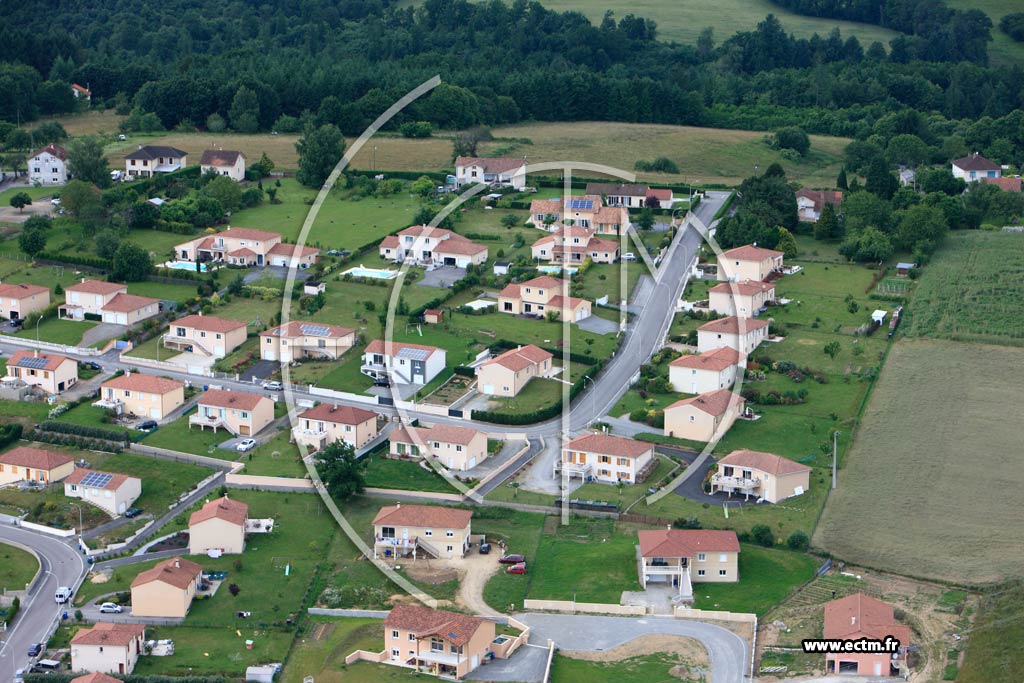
(17, 567)
(628, 494)
(402, 474)
(1000, 622)
(159, 290)
(58, 331)
(214, 650)
(178, 436)
(767, 577)
(654, 667)
(33, 192)
(537, 394)
(522, 533)
(91, 416)
(277, 457)
(324, 659)
(25, 413)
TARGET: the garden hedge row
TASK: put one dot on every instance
(84, 430)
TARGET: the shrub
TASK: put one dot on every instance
(762, 535)
(799, 541)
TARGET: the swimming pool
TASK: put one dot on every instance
(185, 265)
(376, 273)
(555, 270)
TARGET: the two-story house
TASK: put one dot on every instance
(424, 244)
(542, 294)
(49, 372)
(703, 417)
(810, 203)
(144, 395)
(223, 162)
(860, 616)
(607, 459)
(587, 211)
(167, 589)
(23, 463)
(218, 526)
(238, 412)
(297, 340)
(703, 372)
(234, 246)
(436, 642)
(974, 167)
(457, 448)
(762, 475)
(402, 363)
(401, 530)
(682, 557)
(749, 262)
(48, 166)
(111, 492)
(571, 244)
(18, 300)
(326, 423)
(205, 335)
(742, 334)
(743, 299)
(507, 373)
(107, 302)
(495, 171)
(148, 160)
(545, 214)
(107, 648)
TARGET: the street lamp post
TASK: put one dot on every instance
(593, 397)
(76, 505)
(834, 437)
(37, 328)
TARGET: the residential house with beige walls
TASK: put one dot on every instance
(48, 166)
(545, 214)
(457, 448)
(107, 302)
(218, 526)
(703, 372)
(744, 299)
(742, 334)
(327, 423)
(607, 459)
(111, 492)
(682, 557)
(402, 363)
(860, 616)
(701, 417)
(587, 211)
(632, 196)
(237, 412)
(234, 246)
(749, 262)
(107, 648)
(494, 171)
(297, 340)
(23, 463)
(49, 372)
(810, 203)
(143, 395)
(228, 162)
(205, 335)
(148, 160)
(425, 244)
(762, 475)
(18, 300)
(400, 530)
(128, 309)
(507, 373)
(167, 589)
(571, 244)
(436, 642)
(542, 294)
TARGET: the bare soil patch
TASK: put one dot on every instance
(687, 648)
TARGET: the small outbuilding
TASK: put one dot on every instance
(903, 269)
(433, 316)
(501, 267)
(879, 316)
(262, 674)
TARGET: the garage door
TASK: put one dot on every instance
(243, 429)
(154, 413)
(122, 319)
(472, 463)
(269, 354)
(488, 389)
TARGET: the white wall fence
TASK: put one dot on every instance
(50, 346)
(714, 615)
(330, 394)
(584, 607)
(165, 365)
(42, 528)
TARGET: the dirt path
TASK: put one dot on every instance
(688, 648)
(477, 570)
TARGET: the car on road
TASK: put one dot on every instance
(485, 548)
(132, 512)
(92, 365)
(146, 426)
(55, 201)
(62, 595)
(272, 386)
(34, 649)
(111, 608)
(245, 445)
(511, 559)
(518, 568)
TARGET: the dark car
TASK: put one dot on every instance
(34, 649)
(382, 383)
(485, 548)
(511, 559)
(92, 365)
(132, 512)
(518, 568)
(16, 323)
(147, 426)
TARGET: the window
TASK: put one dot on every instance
(450, 548)
(701, 557)
(395, 653)
(604, 459)
(428, 532)
(723, 558)
(700, 572)
(449, 533)
(412, 639)
(692, 419)
(458, 449)
(721, 572)
(394, 634)
(624, 462)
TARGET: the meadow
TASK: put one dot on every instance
(17, 567)
(1003, 50)
(1000, 621)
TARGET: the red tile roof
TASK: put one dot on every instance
(746, 287)
(820, 197)
(716, 360)
(97, 287)
(220, 157)
(457, 629)
(392, 347)
(492, 164)
(617, 189)
(524, 356)
(116, 479)
(244, 251)
(249, 234)
(239, 400)
(55, 150)
(177, 572)
(106, 633)
(712, 402)
(766, 462)
(976, 162)
(1004, 184)
(548, 207)
(431, 516)
(224, 508)
(53, 361)
(732, 325)
(294, 329)
(861, 615)
(137, 381)
(749, 252)
(686, 542)
(346, 415)
(95, 677)
(37, 458)
(126, 303)
(442, 433)
(208, 323)
(606, 444)
(660, 194)
(21, 291)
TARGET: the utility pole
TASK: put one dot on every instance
(834, 435)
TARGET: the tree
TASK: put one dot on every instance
(215, 123)
(832, 349)
(787, 244)
(881, 181)
(908, 150)
(645, 221)
(319, 150)
(264, 166)
(131, 263)
(20, 200)
(509, 220)
(793, 137)
(828, 226)
(798, 541)
(762, 535)
(465, 143)
(869, 246)
(921, 224)
(841, 180)
(141, 216)
(706, 42)
(32, 239)
(423, 186)
(107, 243)
(79, 197)
(245, 111)
(226, 191)
(863, 209)
(88, 162)
(234, 590)
(340, 471)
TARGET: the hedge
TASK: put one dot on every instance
(9, 433)
(176, 274)
(131, 678)
(463, 370)
(73, 429)
(403, 175)
(77, 259)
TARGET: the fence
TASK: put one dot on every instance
(61, 533)
(278, 484)
(164, 365)
(366, 656)
(714, 615)
(178, 456)
(50, 346)
(584, 607)
(551, 658)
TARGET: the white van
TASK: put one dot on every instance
(62, 595)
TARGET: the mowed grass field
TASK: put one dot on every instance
(1003, 50)
(1000, 622)
(17, 567)
(929, 483)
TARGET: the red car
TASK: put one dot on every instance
(511, 559)
(518, 568)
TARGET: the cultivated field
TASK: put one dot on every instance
(927, 489)
(972, 290)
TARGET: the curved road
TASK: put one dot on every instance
(62, 565)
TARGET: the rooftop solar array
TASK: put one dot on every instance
(97, 479)
(33, 362)
(581, 203)
(315, 330)
(413, 354)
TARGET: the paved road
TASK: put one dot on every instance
(62, 565)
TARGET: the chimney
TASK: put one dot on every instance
(127, 373)
(36, 353)
(398, 505)
(83, 280)
(200, 313)
(668, 527)
(177, 564)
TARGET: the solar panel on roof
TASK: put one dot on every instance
(413, 354)
(581, 203)
(97, 479)
(317, 330)
(33, 362)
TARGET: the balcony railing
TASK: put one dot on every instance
(735, 482)
(206, 421)
(436, 657)
(109, 403)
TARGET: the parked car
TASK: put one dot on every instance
(92, 365)
(132, 512)
(16, 323)
(629, 256)
(272, 386)
(146, 426)
(245, 445)
(511, 559)
(518, 568)
(111, 608)
(382, 382)
(34, 649)
(55, 201)
(485, 548)
(334, 252)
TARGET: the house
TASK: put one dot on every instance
(682, 557)
(167, 589)
(608, 459)
(618, 194)
(423, 244)
(18, 300)
(205, 335)
(496, 172)
(107, 302)
(297, 340)
(908, 176)
(223, 162)
(109, 491)
(107, 648)
(79, 92)
(1004, 184)
(402, 363)
(744, 299)
(401, 530)
(903, 268)
(587, 211)
(660, 198)
(144, 395)
(284, 255)
(544, 213)
(704, 372)
(860, 616)
(218, 526)
(749, 262)
(23, 463)
(762, 475)
(148, 160)
(742, 334)
(238, 412)
(234, 246)
(128, 309)
(48, 166)
(974, 167)
(810, 203)
(433, 316)
(312, 287)
(457, 448)
(501, 267)
(507, 373)
(572, 244)
(542, 294)
(51, 373)
(436, 642)
(326, 423)
(703, 417)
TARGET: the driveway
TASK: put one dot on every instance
(260, 370)
(102, 332)
(526, 665)
(598, 325)
(442, 278)
(692, 488)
